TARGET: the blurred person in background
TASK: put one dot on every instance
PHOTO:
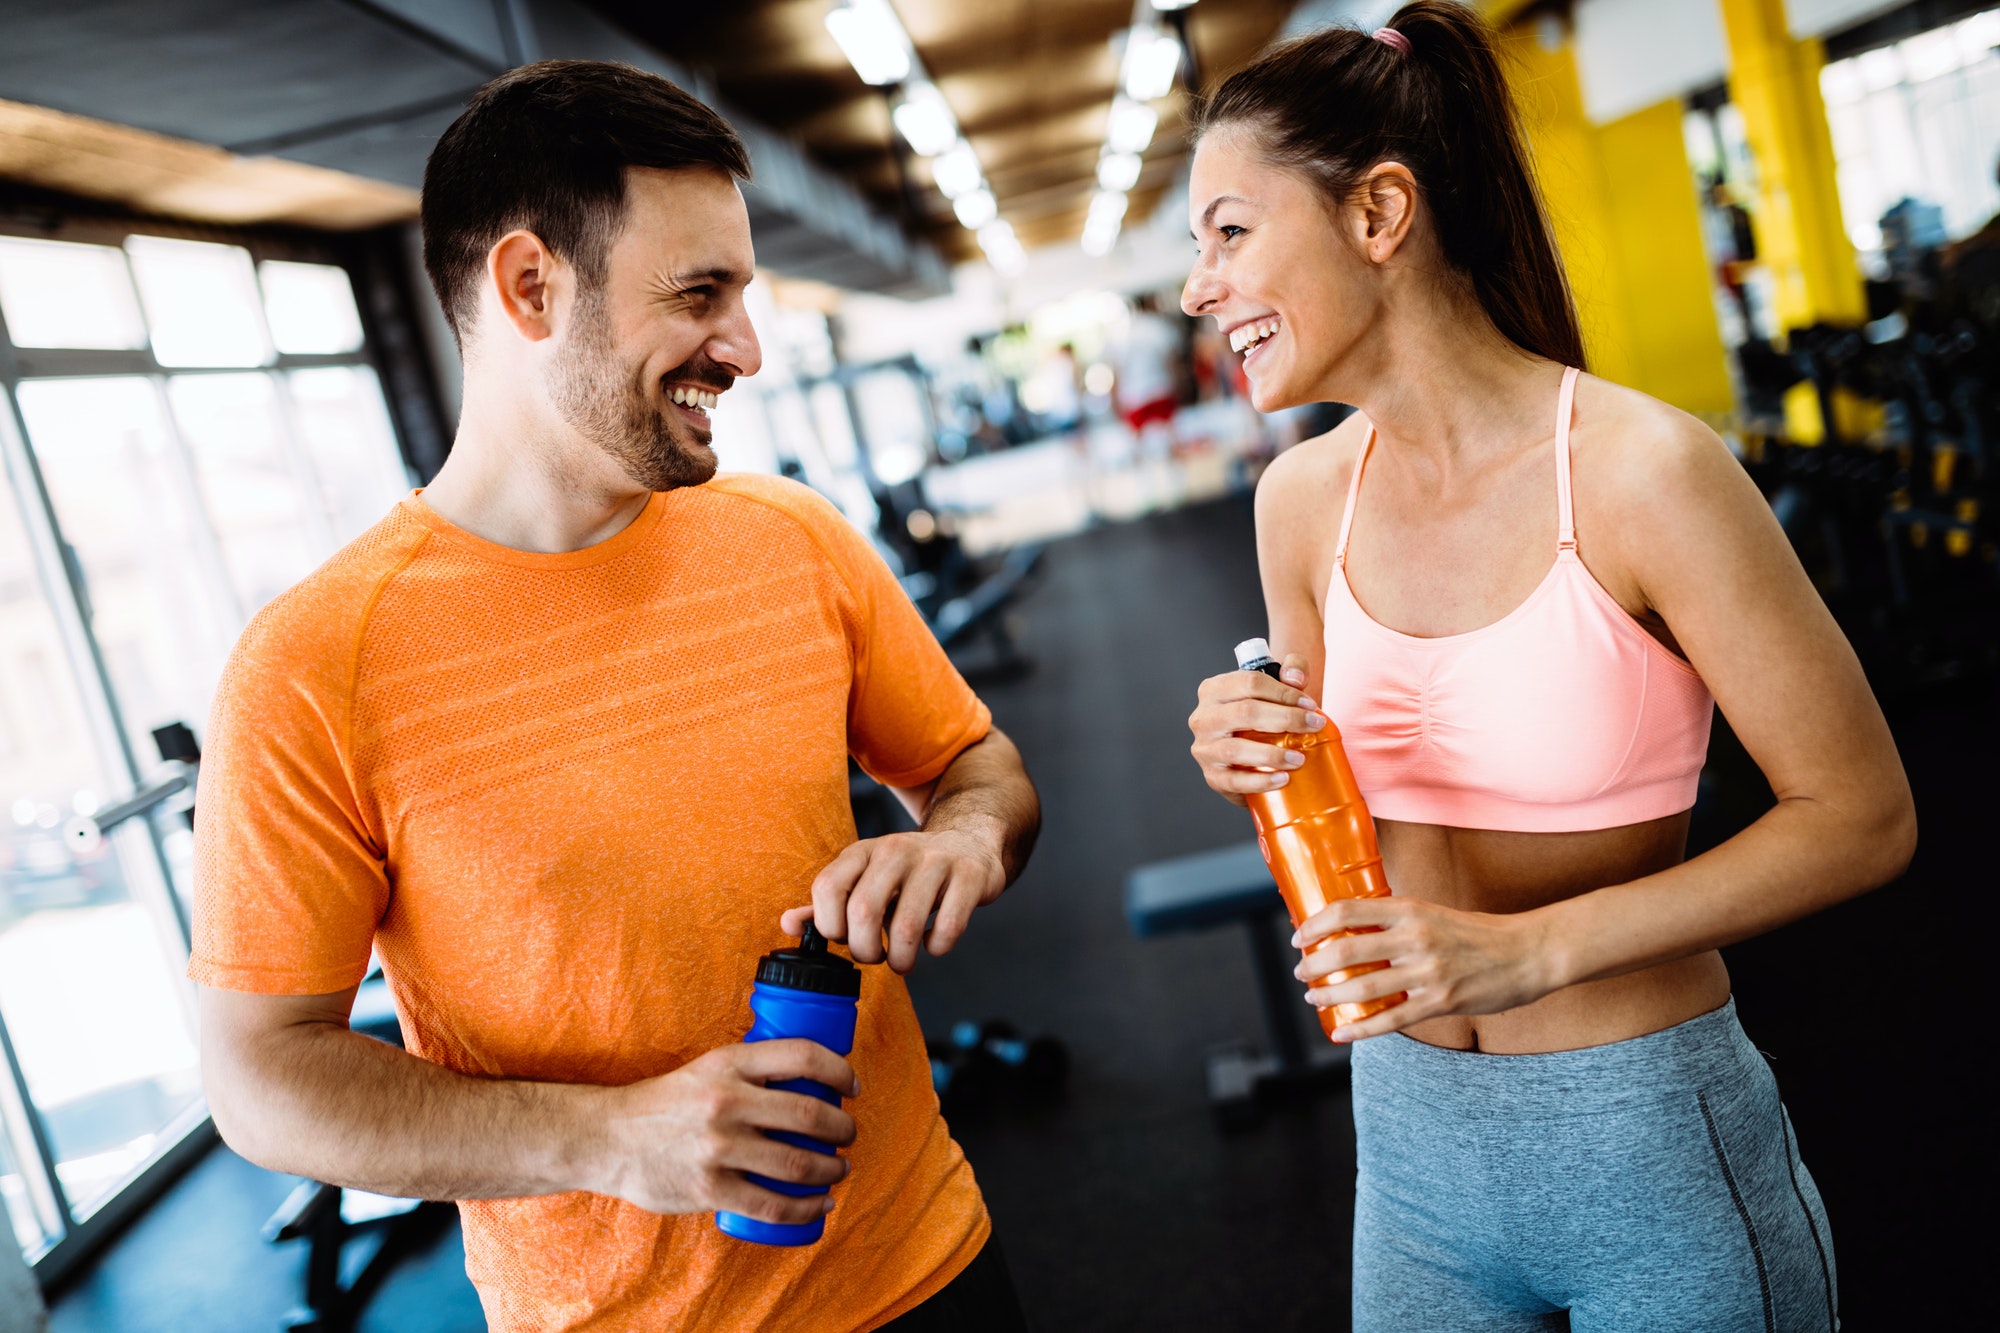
(1562, 1125)
(566, 737)
(1054, 391)
(1147, 364)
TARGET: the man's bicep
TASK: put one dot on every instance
(910, 713)
(250, 1053)
(234, 1018)
(289, 882)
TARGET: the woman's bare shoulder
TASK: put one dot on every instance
(1629, 448)
(1649, 477)
(1299, 482)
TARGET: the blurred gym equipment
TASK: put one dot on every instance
(1210, 889)
(983, 1068)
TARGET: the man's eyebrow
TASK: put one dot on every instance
(1208, 214)
(721, 273)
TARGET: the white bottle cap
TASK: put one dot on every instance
(1252, 650)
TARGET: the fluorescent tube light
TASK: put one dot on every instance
(1002, 247)
(977, 209)
(925, 121)
(956, 170)
(1152, 58)
(1118, 171)
(872, 38)
(1132, 125)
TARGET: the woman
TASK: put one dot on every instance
(1516, 590)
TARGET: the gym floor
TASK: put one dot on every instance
(1125, 1208)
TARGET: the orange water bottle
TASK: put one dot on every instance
(1317, 838)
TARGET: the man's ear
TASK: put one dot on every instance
(521, 275)
(1388, 206)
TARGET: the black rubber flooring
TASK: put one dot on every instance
(1125, 1207)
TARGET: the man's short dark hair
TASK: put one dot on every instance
(545, 148)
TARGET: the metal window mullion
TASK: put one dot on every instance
(201, 524)
(18, 1114)
(319, 514)
(62, 577)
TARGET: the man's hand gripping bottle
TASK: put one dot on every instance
(800, 992)
(1316, 836)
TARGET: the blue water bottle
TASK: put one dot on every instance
(810, 993)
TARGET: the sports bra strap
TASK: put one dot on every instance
(1565, 507)
(1353, 490)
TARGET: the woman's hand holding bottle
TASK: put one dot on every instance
(1237, 701)
(1445, 960)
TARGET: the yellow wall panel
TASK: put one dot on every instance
(1621, 199)
(1563, 151)
(1672, 335)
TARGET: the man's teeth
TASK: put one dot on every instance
(1249, 335)
(694, 398)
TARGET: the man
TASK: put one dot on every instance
(562, 738)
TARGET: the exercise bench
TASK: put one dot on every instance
(1216, 888)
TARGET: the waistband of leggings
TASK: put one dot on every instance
(1705, 1051)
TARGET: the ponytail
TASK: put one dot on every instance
(1336, 103)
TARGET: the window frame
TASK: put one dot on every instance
(60, 574)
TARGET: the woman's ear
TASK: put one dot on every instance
(1388, 204)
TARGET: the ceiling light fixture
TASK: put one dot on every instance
(1118, 171)
(956, 170)
(1165, 5)
(872, 38)
(1152, 58)
(1107, 215)
(1002, 247)
(925, 121)
(977, 209)
(1132, 125)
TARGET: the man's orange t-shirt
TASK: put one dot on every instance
(566, 797)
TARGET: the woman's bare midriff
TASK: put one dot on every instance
(1483, 870)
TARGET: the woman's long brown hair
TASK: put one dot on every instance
(1338, 102)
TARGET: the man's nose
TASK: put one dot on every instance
(735, 347)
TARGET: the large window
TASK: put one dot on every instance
(1919, 119)
(187, 432)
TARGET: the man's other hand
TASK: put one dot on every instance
(680, 1143)
(887, 897)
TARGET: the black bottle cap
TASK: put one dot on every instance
(809, 967)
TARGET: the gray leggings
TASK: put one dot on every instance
(1652, 1184)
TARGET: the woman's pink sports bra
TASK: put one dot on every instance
(1564, 714)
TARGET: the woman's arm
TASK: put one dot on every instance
(1290, 497)
(1708, 556)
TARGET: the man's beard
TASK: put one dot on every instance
(596, 396)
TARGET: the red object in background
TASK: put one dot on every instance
(1144, 415)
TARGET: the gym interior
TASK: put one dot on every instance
(222, 362)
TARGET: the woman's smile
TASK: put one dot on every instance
(1253, 336)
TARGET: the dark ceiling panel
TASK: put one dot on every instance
(222, 71)
(395, 151)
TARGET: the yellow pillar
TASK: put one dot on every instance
(1774, 82)
(1563, 152)
(1621, 198)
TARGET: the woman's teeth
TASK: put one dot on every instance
(1247, 336)
(694, 398)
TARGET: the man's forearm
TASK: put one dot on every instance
(986, 791)
(320, 1101)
